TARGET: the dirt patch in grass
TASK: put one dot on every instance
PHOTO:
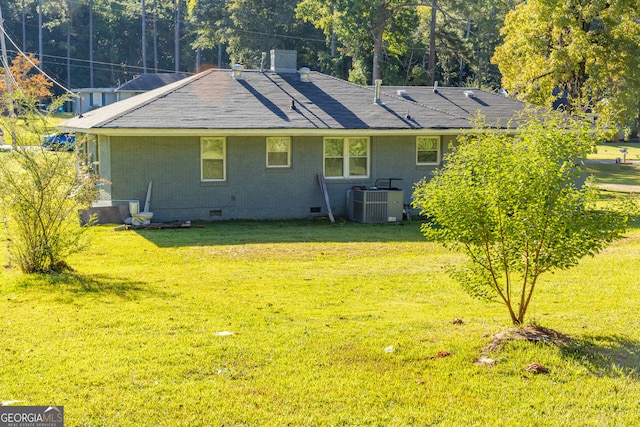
(533, 333)
(528, 333)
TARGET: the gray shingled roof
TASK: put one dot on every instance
(150, 81)
(267, 100)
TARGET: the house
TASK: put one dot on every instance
(248, 144)
(91, 98)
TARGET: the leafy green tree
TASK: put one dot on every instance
(361, 26)
(41, 193)
(588, 50)
(516, 207)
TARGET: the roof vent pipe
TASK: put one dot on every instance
(236, 71)
(263, 58)
(304, 74)
(435, 87)
(378, 88)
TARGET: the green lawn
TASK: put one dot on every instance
(611, 151)
(612, 173)
(331, 325)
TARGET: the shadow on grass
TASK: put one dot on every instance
(69, 286)
(612, 173)
(240, 232)
(606, 355)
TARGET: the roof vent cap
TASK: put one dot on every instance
(263, 58)
(469, 93)
(401, 92)
(304, 74)
(378, 90)
(236, 71)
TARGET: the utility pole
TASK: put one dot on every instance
(24, 29)
(90, 44)
(431, 68)
(5, 60)
(144, 39)
(69, 44)
(155, 36)
(177, 36)
(40, 34)
(7, 73)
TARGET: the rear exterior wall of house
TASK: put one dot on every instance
(250, 189)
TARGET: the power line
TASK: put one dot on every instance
(33, 64)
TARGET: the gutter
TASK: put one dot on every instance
(272, 132)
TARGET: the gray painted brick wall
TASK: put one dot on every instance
(251, 190)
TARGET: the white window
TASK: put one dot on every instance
(346, 157)
(96, 99)
(427, 150)
(278, 152)
(213, 158)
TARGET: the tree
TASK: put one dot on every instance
(515, 206)
(41, 193)
(588, 51)
(33, 86)
(361, 25)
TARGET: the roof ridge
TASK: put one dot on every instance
(162, 92)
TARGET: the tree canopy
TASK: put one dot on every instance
(516, 206)
(584, 53)
(33, 85)
(99, 43)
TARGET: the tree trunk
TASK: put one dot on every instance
(377, 52)
(377, 32)
(432, 43)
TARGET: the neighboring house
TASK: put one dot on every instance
(233, 144)
(91, 98)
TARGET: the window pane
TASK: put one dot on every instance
(278, 151)
(213, 148)
(427, 149)
(427, 144)
(333, 147)
(212, 169)
(358, 147)
(277, 159)
(280, 145)
(358, 166)
(427, 156)
(333, 167)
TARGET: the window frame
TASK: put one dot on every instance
(288, 164)
(346, 157)
(438, 150)
(224, 159)
(97, 99)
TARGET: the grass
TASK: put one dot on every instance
(611, 151)
(612, 173)
(31, 135)
(332, 325)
